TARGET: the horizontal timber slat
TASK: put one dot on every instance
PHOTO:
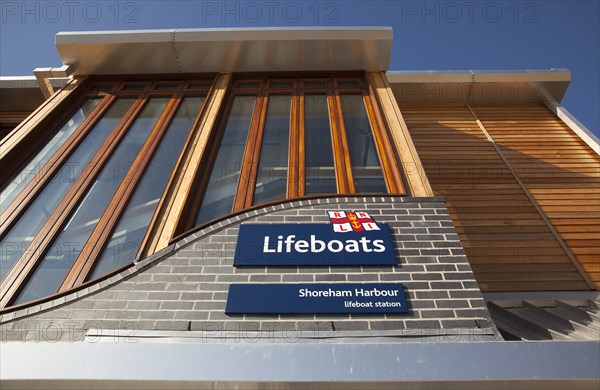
(505, 238)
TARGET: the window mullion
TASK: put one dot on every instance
(295, 177)
(28, 194)
(42, 241)
(299, 164)
(249, 168)
(110, 217)
(384, 149)
(343, 166)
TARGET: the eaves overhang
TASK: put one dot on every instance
(479, 87)
(226, 50)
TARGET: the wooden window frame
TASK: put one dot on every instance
(296, 174)
(24, 267)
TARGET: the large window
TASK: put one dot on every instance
(81, 206)
(133, 163)
(290, 138)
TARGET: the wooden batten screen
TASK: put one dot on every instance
(508, 242)
(559, 169)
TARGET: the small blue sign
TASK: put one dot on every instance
(311, 298)
(312, 244)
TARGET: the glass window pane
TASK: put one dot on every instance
(366, 168)
(53, 268)
(131, 228)
(25, 175)
(320, 169)
(271, 181)
(222, 184)
(22, 233)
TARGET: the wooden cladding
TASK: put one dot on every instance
(559, 169)
(509, 240)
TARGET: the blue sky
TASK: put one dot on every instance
(428, 35)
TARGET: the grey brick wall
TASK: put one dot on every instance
(184, 287)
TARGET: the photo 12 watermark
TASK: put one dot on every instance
(253, 12)
(470, 12)
(61, 12)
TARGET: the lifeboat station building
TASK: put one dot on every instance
(277, 209)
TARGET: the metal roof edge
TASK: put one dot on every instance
(468, 76)
(224, 34)
(270, 49)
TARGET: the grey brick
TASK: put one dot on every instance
(466, 294)
(434, 252)
(184, 286)
(420, 304)
(294, 278)
(437, 314)
(417, 245)
(164, 296)
(459, 276)
(446, 244)
(233, 278)
(213, 287)
(397, 276)
(209, 305)
(427, 276)
(168, 277)
(282, 270)
(387, 325)
(130, 295)
(467, 325)
(452, 304)
(150, 286)
(192, 316)
(472, 313)
(363, 277)
(200, 278)
(114, 305)
(121, 315)
(431, 294)
(330, 278)
(263, 278)
(157, 315)
(430, 237)
(350, 325)
(143, 305)
(177, 305)
(422, 324)
(298, 219)
(445, 285)
(441, 267)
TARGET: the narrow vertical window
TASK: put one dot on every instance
(25, 175)
(131, 228)
(271, 180)
(22, 233)
(318, 149)
(366, 168)
(54, 266)
(222, 183)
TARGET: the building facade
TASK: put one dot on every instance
(127, 195)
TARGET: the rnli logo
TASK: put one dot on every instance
(351, 221)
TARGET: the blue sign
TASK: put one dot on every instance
(310, 298)
(312, 244)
